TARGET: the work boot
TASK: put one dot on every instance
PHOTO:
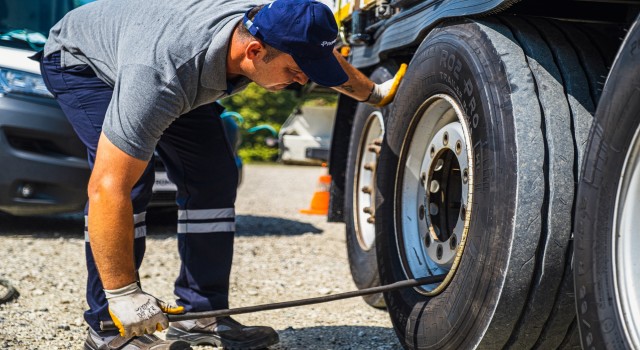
(146, 342)
(223, 332)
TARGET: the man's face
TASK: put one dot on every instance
(278, 73)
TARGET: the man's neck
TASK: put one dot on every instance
(235, 54)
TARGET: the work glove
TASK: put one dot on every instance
(383, 94)
(135, 312)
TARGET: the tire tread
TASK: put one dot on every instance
(559, 184)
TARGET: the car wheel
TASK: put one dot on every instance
(607, 278)
(476, 181)
(366, 137)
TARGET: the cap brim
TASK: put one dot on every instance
(325, 71)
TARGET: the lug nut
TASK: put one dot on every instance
(432, 151)
(427, 240)
(366, 189)
(371, 220)
(374, 148)
(463, 212)
(439, 165)
(439, 252)
(421, 212)
(369, 166)
(367, 210)
(465, 175)
(377, 142)
(445, 139)
(423, 177)
(434, 187)
(433, 209)
(458, 147)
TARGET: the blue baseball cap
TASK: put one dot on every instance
(304, 29)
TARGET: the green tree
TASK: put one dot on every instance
(261, 107)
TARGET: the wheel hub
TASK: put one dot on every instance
(435, 190)
(443, 194)
(364, 200)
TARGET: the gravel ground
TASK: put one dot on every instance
(279, 255)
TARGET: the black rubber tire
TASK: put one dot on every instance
(594, 65)
(560, 184)
(616, 122)
(362, 261)
(513, 286)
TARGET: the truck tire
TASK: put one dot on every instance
(476, 180)
(364, 145)
(606, 275)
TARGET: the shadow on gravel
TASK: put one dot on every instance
(337, 338)
(250, 225)
(51, 226)
(163, 222)
(160, 224)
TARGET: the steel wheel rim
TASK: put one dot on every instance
(364, 194)
(430, 233)
(626, 245)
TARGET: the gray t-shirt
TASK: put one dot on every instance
(163, 58)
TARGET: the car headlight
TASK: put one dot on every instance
(16, 81)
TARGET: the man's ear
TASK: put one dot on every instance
(254, 50)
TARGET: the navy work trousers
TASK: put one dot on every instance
(198, 159)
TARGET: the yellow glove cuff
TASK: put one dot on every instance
(394, 86)
(170, 308)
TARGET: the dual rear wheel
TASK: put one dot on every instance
(476, 179)
(364, 148)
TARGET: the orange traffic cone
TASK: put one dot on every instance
(320, 200)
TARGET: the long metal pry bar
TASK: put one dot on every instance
(108, 325)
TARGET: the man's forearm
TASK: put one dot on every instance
(358, 86)
(111, 213)
(111, 236)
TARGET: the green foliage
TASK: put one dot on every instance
(321, 99)
(259, 106)
(258, 153)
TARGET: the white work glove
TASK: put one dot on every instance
(383, 94)
(135, 312)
